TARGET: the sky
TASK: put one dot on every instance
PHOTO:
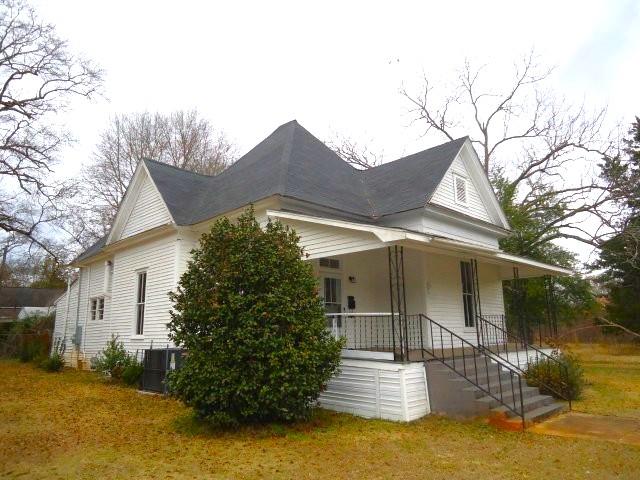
(336, 67)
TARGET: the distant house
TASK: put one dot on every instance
(406, 255)
(18, 302)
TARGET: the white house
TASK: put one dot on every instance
(406, 255)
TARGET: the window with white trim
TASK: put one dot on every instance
(141, 298)
(97, 308)
(460, 189)
(468, 294)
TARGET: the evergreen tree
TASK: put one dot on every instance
(248, 313)
(620, 255)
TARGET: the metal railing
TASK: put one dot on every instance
(418, 337)
(471, 362)
(512, 349)
(380, 332)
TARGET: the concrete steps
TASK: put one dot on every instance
(459, 396)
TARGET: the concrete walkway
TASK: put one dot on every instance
(597, 427)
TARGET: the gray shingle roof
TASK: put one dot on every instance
(291, 162)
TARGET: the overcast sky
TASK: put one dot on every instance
(336, 67)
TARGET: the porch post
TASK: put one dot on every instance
(398, 300)
(519, 296)
(551, 313)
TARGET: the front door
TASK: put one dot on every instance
(332, 294)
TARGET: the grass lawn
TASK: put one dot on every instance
(72, 425)
(613, 376)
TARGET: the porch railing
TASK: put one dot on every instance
(512, 349)
(418, 337)
(378, 331)
(471, 362)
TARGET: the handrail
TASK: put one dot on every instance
(516, 405)
(505, 336)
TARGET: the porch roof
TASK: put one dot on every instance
(385, 236)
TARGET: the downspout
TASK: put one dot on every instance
(66, 313)
(86, 313)
(78, 307)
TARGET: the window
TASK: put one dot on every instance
(140, 303)
(330, 263)
(332, 295)
(94, 308)
(466, 273)
(97, 308)
(460, 189)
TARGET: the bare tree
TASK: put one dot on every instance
(542, 149)
(182, 139)
(356, 155)
(38, 78)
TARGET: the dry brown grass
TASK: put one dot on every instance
(613, 376)
(72, 425)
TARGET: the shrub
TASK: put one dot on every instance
(31, 348)
(562, 377)
(113, 360)
(132, 372)
(55, 361)
(248, 312)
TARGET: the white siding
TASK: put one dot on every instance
(321, 240)
(444, 293)
(149, 211)
(441, 225)
(157, 258)
(444, 194)
(378, 390)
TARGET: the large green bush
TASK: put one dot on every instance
(113, 360)
(247, 310)
(562, 377)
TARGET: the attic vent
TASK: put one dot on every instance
(330, 263)
(460, 189)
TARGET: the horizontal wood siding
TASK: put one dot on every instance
(444, 293)
(444, 194)
(157, 258)
(321, 240)
(149, 211)
(378, 390)
(96, 332)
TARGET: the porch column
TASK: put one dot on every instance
(398, 301)
(551, 310)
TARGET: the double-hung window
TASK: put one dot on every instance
(97, 308)
(468, 301)
(140, 302)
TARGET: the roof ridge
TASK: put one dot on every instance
(415, 153)
(163, 164)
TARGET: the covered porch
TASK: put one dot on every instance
(393, 291)
(401, 301)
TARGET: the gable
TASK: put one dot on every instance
(148, 211)
(480, 200)
(457, 183)
(141, 209)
